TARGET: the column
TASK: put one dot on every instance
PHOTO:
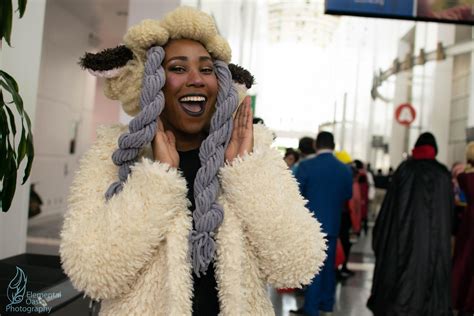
(22, 61)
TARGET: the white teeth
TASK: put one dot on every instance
(192, 99)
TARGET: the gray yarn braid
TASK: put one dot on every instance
(208, 214)
(142, 128)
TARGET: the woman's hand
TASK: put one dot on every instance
(241, 141)
(164, 146)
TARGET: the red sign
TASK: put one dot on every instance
(405, 114)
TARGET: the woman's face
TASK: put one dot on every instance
(190, 89)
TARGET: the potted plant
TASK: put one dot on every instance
(12, 116)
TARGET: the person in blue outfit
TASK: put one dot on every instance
(327, 184)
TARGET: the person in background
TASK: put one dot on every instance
(363, 181)
(350, 219)
(372, 191)
(389, 175)
(306, 148)
(291, 157)
(463, 261)
(411, 238)
(381, 181)
(306, 151)
(327, 184)
(459, 196)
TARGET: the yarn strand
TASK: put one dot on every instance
(208, 215)
(142, 128)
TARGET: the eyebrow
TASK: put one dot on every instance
(184, 58)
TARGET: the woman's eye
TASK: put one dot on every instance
(207, 70)
(178, 69)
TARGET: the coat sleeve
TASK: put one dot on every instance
(286, 238)
(104, 245)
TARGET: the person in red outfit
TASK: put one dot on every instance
(363, 182)
(463, 263)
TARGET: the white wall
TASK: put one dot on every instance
(431, 89)
(398, 133)
(106, 111)
(65, 98)
(23, 63)
(459, 107)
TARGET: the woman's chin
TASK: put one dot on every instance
(193, 128)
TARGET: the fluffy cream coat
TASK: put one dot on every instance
(132, 252)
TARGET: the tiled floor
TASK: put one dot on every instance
(351, 296)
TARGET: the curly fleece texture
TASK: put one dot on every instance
(132, 251)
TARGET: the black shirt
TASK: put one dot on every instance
(205, 301)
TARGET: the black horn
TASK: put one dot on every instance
(108, 59)
(241, 75)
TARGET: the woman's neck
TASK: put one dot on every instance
(185, 141)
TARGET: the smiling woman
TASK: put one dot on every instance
(196, 223)
(190, 92)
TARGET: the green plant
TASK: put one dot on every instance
(12, 154)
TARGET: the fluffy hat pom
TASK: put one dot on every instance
(144, 35)
(186, 22)
(219, 48)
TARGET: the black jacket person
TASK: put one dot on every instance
(412, 238)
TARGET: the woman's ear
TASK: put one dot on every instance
(108, 63)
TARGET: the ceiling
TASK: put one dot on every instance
(106, 18)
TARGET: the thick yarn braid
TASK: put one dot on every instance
(142, 128)
(208, 214)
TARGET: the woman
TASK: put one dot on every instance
(204, 213)
(291, 157)
(463, 263)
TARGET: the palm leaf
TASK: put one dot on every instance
(30, 154)
(10, 80)
(12, 120)
(21, 7)
(10, 156)
(6, 19)
(9, 181)
(10, 85)
(21, 147)
(3, 145)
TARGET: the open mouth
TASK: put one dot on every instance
(193, 105)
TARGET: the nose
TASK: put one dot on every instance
(195, 78)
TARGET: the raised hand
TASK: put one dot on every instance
(164, 146)
(241, 141)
